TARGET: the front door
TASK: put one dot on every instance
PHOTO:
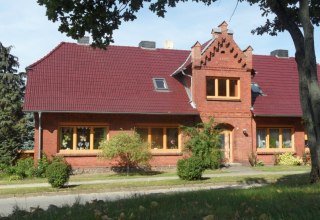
(226, 145)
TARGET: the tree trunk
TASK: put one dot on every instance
(308, 78)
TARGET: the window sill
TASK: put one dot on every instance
(274, 150)
(78, 153)
(223, 99)
(166, 153)
(26, 151)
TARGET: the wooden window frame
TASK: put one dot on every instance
(165, 147)
(280, 148)
(75, 136)
(216, 92)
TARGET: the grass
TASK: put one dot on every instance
(144, 183)
(282, 168)
(5, 180)
(288, 197)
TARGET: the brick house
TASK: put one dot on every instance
(80, 95)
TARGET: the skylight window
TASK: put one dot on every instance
(160, 84)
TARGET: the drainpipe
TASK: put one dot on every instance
(191, 97)
(39, 136)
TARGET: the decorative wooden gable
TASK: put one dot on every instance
(222, 52)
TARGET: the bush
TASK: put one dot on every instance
(289, 160)
(190, 168)
(306, 158)
(58, 173)
(25, 168)
(253, 160)
(43, 164)
(204, 143)
(128, 148)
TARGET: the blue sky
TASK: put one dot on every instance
(23, 24)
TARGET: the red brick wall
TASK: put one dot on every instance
(294, 122)
(223, 62)
(117, 123)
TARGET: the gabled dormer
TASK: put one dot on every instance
(221, 73)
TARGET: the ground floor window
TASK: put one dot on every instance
(274, 138)
(160, 138)
(81, 137)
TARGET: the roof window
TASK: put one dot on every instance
(160, 84)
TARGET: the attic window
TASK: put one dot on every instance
(160, 84)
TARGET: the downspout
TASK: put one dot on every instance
(191, 97)
(39, 136)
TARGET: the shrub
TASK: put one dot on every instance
(190, 168)
(25, 168)
(43, 164)
(306, 158)
(204, 143)
(128, 148)
(253, 160)
(58, 173)
(289, 159)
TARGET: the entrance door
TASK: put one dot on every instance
(226, 145)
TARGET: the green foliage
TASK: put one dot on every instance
(306, 158)
(289, 159)
(204, 143)
(58, 173)
(253, 160)
(12, 121)
(77, 19)
(190, 168)
(28, 132)
(41, 169)
(129, 149)
(23, 168)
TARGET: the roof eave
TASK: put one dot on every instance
(277, 115)
(122, 113)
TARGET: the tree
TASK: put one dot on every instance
(129, 149)
(298, 17)
(12, 122)
(204, 143)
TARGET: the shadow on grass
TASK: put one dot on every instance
(294, 180)
(135, 171)
(70, 186)
(253, 180)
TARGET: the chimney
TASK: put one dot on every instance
(222, 29)
(280, 53)
(168, 44)
(84, 40)
(196, 54)
(248, 53)
(147, 44)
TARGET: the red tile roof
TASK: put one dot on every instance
(78, 78)
(279, 81)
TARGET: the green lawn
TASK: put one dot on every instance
(5, 180)
(288, 197)
(144, 183)
(282, 168)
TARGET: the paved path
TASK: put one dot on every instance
(7, 204)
